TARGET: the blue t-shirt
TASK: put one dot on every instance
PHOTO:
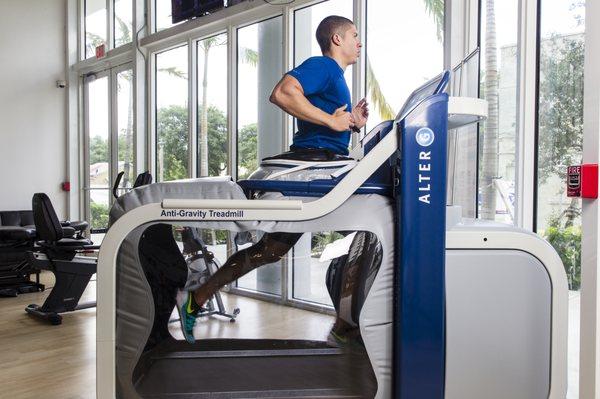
(322, 80)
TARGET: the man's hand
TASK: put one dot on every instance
(341, 120)
(360, 113)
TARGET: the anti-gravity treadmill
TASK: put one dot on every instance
(444, 314)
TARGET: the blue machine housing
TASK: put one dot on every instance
(420, 200)
(382, 181)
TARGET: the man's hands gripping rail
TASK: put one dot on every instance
(341, 120)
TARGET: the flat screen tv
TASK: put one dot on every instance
(188, 9)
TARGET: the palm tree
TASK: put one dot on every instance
(205, 45)
(435, 8)
(489, 169)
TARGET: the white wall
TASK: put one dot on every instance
(32, 108)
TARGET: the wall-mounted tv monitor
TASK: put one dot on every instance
(188, 9)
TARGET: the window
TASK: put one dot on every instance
(123, 28)
(98, 122)
(162, 14)
(560, 137)
(260, 54)
(498, 133)
(172, 133)
(310, 270)
(265, 279)
(125, 128)
(306, 21)
(392, 42)
(212, 106)
(95, 26)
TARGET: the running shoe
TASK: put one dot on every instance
(187, 314)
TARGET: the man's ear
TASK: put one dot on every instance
(336, 39)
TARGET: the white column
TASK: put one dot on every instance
(270, 122)
(460, 39)
(74, 139)
(589, 378)
(140, 83)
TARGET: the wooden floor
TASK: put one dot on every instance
(38, 360)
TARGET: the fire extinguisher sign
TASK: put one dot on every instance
(574, 181)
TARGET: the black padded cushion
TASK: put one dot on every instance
(309, 154)
(46, 222)
(16, 218)
(143, 179)
(16, 233)
(78, 225)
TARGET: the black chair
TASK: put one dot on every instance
(58, 253)
(17, 236)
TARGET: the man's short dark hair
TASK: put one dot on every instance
(328, 27)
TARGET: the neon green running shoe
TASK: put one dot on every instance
(187, 314)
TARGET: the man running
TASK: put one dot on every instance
(317, 94)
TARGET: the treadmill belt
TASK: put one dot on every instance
(291, 373)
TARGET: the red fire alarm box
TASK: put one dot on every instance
(101, 51)
(582, 181)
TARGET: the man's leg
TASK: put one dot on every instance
(364, 258)
(270, 248)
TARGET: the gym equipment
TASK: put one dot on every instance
(142, 179)
(59, 255)
(202, 264)
(17, 237)
(457, 308)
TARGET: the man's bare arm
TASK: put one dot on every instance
(289, 96)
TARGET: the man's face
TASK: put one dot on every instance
(350, 45)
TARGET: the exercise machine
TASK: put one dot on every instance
(456, 308)
(202, 264)
(61, 255)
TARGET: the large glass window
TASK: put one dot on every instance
(498, 133)
(98, 128)
(306, 21)
(265, 279)
(95, 26)
(560, 137)
(404, 49)
(260, 54)
(172, 114)
(212, 106)
(125, 127)
(162, 14)
(123, 31)
(259, 134)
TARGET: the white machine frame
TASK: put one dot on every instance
(293, 210)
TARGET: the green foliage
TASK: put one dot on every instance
(561, 105)
(172, 140)
(172, 133)
(217, 141)
(98, 150)
(435, 8)
(379, 101)
(214, 237)
(247, 150)
(320, 240)
(99, 215)
(566, 239)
